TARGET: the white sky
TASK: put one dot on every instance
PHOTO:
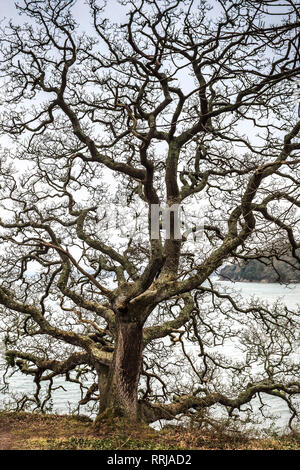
(117, 13)
(83, 17)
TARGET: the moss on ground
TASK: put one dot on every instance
(33, 431)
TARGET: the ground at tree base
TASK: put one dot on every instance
(33, 431)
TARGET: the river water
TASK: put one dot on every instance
(65, 400)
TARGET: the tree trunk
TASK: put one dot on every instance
(120, 395)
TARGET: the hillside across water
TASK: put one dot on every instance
(285, 270)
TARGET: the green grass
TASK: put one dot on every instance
(116, 443)
(33, 431)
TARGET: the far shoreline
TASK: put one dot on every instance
(263, 281)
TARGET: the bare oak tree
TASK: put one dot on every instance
(180, 103)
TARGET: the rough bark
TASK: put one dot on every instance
(120, 394)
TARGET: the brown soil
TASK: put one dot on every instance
(18, 428)
(6, 440)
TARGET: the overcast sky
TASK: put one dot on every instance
(117, 13)
(80, 11)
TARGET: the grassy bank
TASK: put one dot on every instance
(30, 431)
